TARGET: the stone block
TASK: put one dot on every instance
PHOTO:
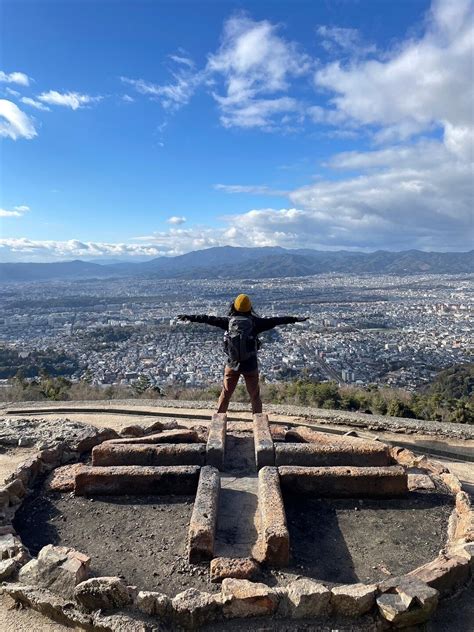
(264, 450)
(62, 479)
(181, 435)
(193, 608)
(419, 481)
(153, 603)
(444, 573)
(57, 568)
(312, 454)
(127, 479)
(236, 568)
(305, 598)
(353, 600)
(355, 450)
(108, 454)
(406, 601)
(345, 482)
(242, 598)
(215, 447)
(103, 593)
(274, 540)
(203, 520)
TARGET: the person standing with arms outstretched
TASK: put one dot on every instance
(241, 344)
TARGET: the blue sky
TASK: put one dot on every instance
(138, 129)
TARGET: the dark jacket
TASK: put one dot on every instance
(260, 325)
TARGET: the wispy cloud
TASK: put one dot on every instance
(17, 211)
(35, 104)
(73, 100)
(15, 77)
(14, 123)
(250, 189)
(176, 220)
(337, 40)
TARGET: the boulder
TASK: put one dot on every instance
(57, 568)
(306, 598)
(152, 603)
(242, 598)
(192, 608)
(353, 600)
(406, 601)
(102, 593)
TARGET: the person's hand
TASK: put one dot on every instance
(301, 319)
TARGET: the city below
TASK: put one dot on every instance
(388, 330)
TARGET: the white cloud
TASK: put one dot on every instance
(176, 220)
(73, 100)
(421, 84)
(251, 189)
(18, 211)
(15, 77)
(14, 123)
(256, 65)
(127, 98)
(35, 104)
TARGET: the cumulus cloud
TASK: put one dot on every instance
(14, 77)
(175, 220)
(73, 100)
(14, 123)
(257, 65)
(17, 211)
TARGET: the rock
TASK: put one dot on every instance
(102, 593)
(406, 601)
(192, 608)
(444, 573)
(353, 600)
(16, 491)
(237, 568)
(9, 546)
(57, 568)
(242, 598)
(132, 431)
(419, 481)
(7, 568)
(153, 603)
(306, 598)
(62, 479)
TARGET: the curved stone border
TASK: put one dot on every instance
(402, 601)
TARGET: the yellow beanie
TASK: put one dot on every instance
(242, 303)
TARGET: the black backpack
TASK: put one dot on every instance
(240, 342)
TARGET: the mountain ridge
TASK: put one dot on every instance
(235, 262)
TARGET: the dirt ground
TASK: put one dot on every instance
(145, 536)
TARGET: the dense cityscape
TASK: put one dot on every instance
(372, 329)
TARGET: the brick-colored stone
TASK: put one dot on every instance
(236, 568)
(242, 598)
(203, 520)
(124, 480)
(102, 593)
(167, 454)
(215, 447)
(444, 573)
(353, 600)
(305, 598)
(179, 435)
(374, 452)
(312, 454)
(343, 482)
(419, 481)
(274, 540)
(264, 450)
(62, 479)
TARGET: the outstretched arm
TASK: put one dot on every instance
(215, 321)
(264, 324)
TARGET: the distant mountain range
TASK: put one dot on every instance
(259, 263)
